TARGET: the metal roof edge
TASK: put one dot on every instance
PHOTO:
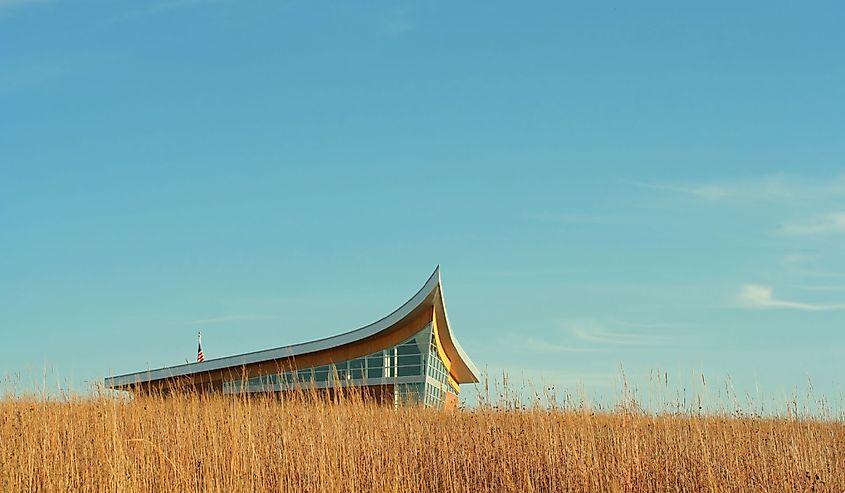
(285, 351)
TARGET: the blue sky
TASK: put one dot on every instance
(652, 186)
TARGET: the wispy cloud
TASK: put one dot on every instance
(779, 187)
(544, 346)
(590, 336)
(708, 192)
(833, 223)
(798, 259)
(229, 318)
(755, 296)
(597, 333)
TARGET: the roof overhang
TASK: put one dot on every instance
(430, 295)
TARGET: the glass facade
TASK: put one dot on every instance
(437, 383)
(413, 367)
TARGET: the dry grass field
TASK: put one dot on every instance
(224, 444)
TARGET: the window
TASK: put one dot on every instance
(408, 348)
(408, 371)
(321, 373)
(305, 376)
(415, 359)
(356, 368)
(407, 360)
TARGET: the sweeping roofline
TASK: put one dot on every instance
(431, 292)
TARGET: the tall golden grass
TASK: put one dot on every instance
(213, 443)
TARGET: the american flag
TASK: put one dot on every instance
(200, 355)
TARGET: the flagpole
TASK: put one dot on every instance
(200, 355)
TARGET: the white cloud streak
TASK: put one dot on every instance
(551, 347)
(597, 334)
(833, 223)
(590, 336)
(757, 297)
(779, 187)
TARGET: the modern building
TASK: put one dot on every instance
(410, 355)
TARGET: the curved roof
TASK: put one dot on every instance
(431, 294)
